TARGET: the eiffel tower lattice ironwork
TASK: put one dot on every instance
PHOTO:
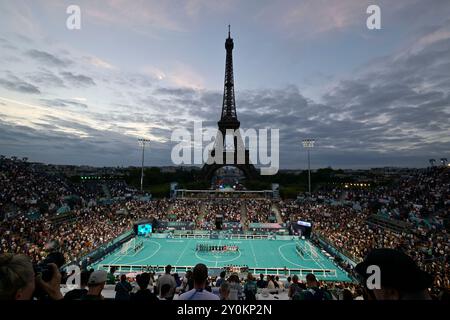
(229, 121)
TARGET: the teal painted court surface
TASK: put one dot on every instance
(258, 254)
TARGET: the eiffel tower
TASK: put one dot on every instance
(228, 121)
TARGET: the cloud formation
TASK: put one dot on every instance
(13, 83)
(47, 58)
(391, 110)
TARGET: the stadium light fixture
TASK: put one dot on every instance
(308, 144)
(143, 142)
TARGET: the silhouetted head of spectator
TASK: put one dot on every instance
(399, 276)
(16, 277)
(96, 283)
(19, 282)
(311, 280)
(165, 290)
(168, 269)
(444, 295)
(200, 275)
(347, 295)
(143, 280)
(123, 278)
(222, 274)
(295, 279)
(261, 276)
(224, 290)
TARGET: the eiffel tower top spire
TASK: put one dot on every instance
(229, 119)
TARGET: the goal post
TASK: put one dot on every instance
(127, 247)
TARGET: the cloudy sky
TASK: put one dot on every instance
(309, 68)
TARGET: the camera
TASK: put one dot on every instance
(43, 267)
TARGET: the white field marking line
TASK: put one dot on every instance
(182, 253)
(254, 255)
(115, 259)
(146, 258)
(286, 259)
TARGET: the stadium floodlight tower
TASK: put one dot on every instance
(142, 143)
(308, 144)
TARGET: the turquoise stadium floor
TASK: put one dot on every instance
(258, 254)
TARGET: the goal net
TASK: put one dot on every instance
(127, 247)
(312, 251)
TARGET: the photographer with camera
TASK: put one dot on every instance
(18, 280)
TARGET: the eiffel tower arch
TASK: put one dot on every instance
(229, 121)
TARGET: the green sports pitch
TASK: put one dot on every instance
(260, 255)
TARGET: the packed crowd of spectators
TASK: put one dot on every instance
(259, 211)
(183, 210)
(421, 199)
(405, 281)
(25, 187)
(228, 208)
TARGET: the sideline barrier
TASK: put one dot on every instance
(322, 274)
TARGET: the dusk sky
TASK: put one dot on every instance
(136, 68)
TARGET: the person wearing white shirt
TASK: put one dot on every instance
(167, 278)
(270, 283)
(200, 275)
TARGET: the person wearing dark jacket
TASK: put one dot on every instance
(123, 289)
(143, 294)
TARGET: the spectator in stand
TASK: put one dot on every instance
(96, 284)
(221, 279)
(167, 278)
(111, 277)
(77, 294)
(177, 280)
(18, 280)
(314, 291)
(143, 294)
(188, 281)
(270, 282)
(347, 295)
(123, 289)
(261, 284)
(401, 278)
(224, 291)
(288, 282)
(279, 282)
(165, 292)
(235, 287)
(294, 288)
(200, 276)
(250, 288)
